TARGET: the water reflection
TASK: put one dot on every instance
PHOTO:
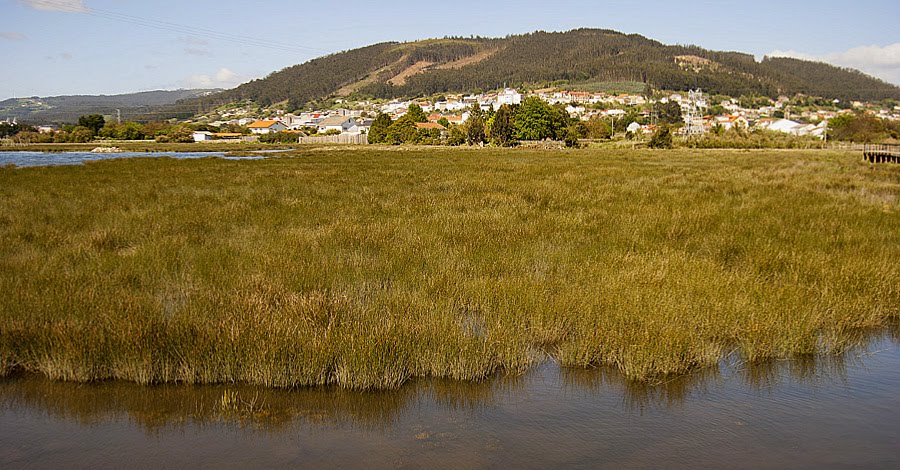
(155, 407)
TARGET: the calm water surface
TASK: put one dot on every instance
(23, 159)
(813, 413)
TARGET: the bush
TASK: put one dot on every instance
(757, 139)
(662, 138)
(571, 138)
(279, 138)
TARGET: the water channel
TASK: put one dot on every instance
(834, 412)
(26, 159)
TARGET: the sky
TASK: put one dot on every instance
(63, 47)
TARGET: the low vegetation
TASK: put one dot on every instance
(366, 267)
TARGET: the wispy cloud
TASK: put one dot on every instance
(194, 46)
(879, 61)
(12, 36)
(61, 55)
(223, 78)
(69, 6)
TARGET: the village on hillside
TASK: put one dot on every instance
(575, 116)
(632, 114)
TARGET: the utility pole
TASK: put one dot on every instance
(694, 114)
(118, 116)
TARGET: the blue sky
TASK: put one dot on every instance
(54, 47)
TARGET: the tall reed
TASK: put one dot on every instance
(366, 267)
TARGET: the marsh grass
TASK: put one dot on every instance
(365, 268)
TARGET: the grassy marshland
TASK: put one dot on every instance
(363, 267)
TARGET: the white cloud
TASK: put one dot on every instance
(223, 78)
(12, 36)
(70, 6)
(879, 61)
(224, 75)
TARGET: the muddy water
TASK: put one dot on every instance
(810, 413)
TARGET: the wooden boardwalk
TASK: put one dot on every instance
(882, 153)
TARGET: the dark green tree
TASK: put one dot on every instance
(81, 134)
(378, 131)
(859, 127)
(559, 121)
(669, 113)
(662, 138)
(131, 131)
(474, 126)
(9, 129)
(402, 131)
(416, 114)
(716, 110)
(533, 120)
(503, 127)
(94, 122)
(456, 135)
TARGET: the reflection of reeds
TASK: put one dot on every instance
(637, 395)
(813, 369)
(365, 268)
(275, 410)
(165, 405)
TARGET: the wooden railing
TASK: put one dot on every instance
(882, 153)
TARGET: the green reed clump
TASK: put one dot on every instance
(365, 268)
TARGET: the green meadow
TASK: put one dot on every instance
(366, 267)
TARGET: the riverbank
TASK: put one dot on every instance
(365, 267)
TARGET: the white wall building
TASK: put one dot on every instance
(267, 126)
(509, 96)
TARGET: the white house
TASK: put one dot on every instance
(341, 124)
(200, 136)
(732, 121)
(633, 128)
(508, 96)
(267, 126)
(362, 126)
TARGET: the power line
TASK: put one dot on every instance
(178, 28)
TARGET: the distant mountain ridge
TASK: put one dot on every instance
(576, 59)
(421, 68)
(68, 108)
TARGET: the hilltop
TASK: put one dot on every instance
(582, 57)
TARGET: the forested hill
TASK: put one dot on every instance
(432, 66)
(69, 108)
